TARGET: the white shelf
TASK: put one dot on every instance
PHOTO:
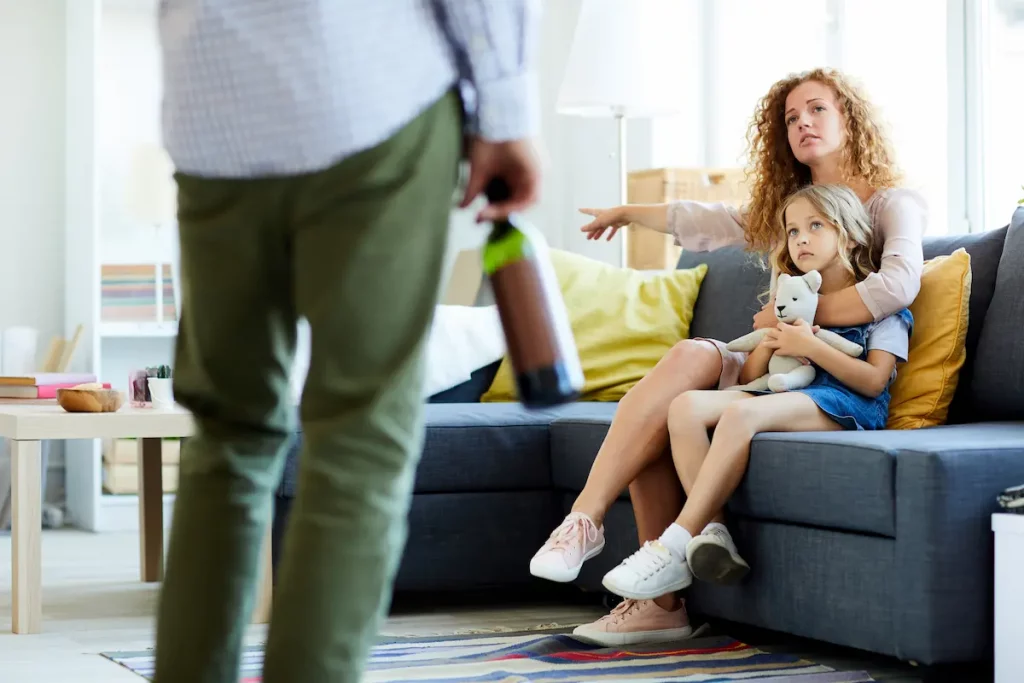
(121, 512)
(127, 330)
(114, 500)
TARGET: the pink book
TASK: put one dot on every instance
(43, 391)
(47, 378)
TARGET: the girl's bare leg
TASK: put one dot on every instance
(727, 458)
(656, 493)
(638, 435)
(690, 416)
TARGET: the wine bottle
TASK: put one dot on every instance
(538, 337)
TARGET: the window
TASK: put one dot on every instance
(944, 75)
(1002, 110)
(756, 43)
(897, 49)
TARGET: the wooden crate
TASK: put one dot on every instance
(651, 250)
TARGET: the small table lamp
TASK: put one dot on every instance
(622, 65)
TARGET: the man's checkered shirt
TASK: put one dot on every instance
(282, 87)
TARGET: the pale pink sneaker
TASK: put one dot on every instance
(576, 540)
(636, 621)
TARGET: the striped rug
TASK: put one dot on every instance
(558, 658)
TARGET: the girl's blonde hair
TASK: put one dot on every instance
(840, 206)
(774, 173)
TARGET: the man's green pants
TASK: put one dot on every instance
(357, 250)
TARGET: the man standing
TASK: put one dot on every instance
(316, 144)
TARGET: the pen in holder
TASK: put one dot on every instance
(151, 388)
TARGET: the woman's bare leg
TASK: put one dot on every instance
(727, 458)
(657, 499)
(638, 434)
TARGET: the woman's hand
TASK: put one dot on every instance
(766, 316)
(796, 340)
(605, 220)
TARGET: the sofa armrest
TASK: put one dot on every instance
(946, 487)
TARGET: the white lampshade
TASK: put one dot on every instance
(151, 192)
(624, 60)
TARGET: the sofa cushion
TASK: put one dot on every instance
(833, 480)
(997, 385)
(841, 480)
(985, 249)
(729, 293)
(836, 480)
(478, 447)
(926, 383)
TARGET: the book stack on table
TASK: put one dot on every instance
(42, 385)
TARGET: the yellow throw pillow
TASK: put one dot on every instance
(925, 384)
(623, 321)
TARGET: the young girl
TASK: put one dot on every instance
(825, 229)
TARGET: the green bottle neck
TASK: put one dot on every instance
(506, 244)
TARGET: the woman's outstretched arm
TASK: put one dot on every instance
(696, 226)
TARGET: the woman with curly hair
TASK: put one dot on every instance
(812, 128)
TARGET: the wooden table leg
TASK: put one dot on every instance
(265, 588)
(26, 537)
(151, 510)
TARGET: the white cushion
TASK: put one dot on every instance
(462, 339)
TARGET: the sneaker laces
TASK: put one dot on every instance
(646, 561)
(721, 534)
(569, 530)
(622, 611)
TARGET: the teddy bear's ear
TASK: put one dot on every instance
(813, 279)
(782, 278)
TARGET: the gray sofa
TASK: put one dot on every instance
(874, 540)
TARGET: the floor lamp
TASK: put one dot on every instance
(621, 65)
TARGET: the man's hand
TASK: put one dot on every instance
(796, 340)
(515, 162)
(766, 316)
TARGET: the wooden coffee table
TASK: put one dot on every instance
(26, 424)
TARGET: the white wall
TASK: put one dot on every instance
(32, 70)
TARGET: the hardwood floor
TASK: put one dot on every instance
(93, 602)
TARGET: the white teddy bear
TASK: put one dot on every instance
(795, 298)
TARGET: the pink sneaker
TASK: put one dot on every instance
(636, 621)
(576, 540)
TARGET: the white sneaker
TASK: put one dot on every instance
(713, 557)
(649, 572)
(576, 540)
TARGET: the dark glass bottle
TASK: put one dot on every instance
(539, 339)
